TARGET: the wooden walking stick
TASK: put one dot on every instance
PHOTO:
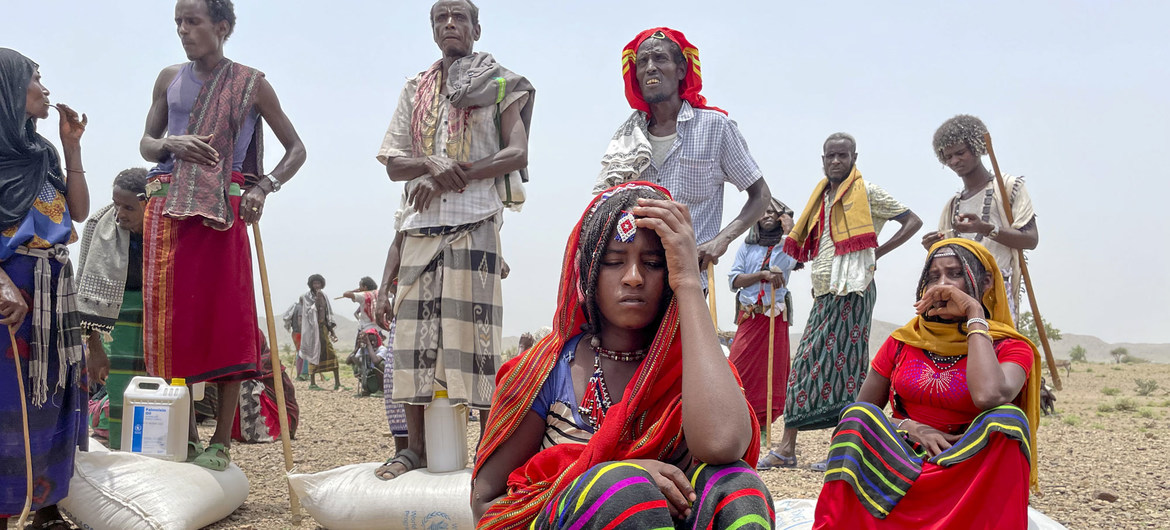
(771, 351)
(28, 472)
(1007, 209)
(294, 504)
(711, 296)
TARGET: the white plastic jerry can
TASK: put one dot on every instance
(156, 418)
(446, 434)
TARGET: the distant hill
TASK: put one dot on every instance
(1096, 350)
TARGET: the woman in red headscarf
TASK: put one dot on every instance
(587, 426)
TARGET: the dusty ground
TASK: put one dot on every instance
(1105, 437)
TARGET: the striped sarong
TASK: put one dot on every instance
(126, 359)
(830, 364)
(881, 464)
(620, 495)
(449, 316)
(200, 306)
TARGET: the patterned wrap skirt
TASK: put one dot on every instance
(831, 362)
(57, 428)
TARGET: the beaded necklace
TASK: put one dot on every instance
(596, 402)
(943, 362)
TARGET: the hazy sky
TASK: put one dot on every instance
(1074, 94)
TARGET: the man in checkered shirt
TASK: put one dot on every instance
(674, 139)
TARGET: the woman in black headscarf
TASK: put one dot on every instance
(38, 204)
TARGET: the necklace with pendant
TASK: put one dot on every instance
(597, 402)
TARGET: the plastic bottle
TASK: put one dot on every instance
(156, 418)
(446, 434)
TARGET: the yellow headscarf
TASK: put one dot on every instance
(950, 339)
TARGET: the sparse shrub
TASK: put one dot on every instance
(1125, 405)
(1131, 359)
(1146, 387)
(1077, 354)
(1108, 391)
(1071, 420)
(1146, 413)
(1105, 407)
(1098, 426)
(1089, 370)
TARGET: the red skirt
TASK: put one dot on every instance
(989, 490)
(749, 354)
(200, 308)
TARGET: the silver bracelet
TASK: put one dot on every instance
(899, 427)
(978, 320)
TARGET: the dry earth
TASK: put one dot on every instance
(1105, 438)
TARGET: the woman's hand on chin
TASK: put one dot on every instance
(947, 302)
(672, 222)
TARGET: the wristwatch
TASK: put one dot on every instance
(274, 182)
(991, 235)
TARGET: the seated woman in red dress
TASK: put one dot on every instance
(958, 451)
(627, 415)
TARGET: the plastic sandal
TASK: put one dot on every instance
(780, 460)
(210, 458)
(193, 451)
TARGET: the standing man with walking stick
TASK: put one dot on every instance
(203, 129)
(976, 212)
(759, 278)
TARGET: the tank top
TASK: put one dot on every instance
(181, 95)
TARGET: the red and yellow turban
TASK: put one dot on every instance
(689, 87)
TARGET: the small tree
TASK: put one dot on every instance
(1119, 354)
(1146, 387)
(1027, 328)
(1077, 354)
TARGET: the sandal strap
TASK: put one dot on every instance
(408, 458)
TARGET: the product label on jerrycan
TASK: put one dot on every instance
(150, 430)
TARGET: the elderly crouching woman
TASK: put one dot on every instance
(627, 415)
(959, 450)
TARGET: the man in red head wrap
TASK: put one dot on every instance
(675, 139)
